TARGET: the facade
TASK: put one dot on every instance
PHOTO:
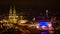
(13, 18)
(12, 15)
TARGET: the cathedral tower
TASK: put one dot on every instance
(12, 15)
(10, 18)
(15, 17)
(14, 11)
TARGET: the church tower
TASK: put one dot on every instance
(12, 15)
(15, 17)
(47, 13)
(10, 18)
(14, 11)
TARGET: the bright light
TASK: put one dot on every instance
(1, 21)
(43, 24)
(23, 21)
(37, 26)
(46, 11)
(50, 25)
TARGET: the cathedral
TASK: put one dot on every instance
(12, 15)
(14, 18)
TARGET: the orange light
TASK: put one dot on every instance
(50, 25)
(37, 27)
(1, 21)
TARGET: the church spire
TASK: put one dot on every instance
(10, 13)
(14, 11)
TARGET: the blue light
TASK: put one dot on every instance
(43, 24)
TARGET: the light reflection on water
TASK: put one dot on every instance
(44, 32)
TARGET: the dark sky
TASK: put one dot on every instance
(31, 6)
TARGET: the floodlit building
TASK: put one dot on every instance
(21, 20)
(12, 15)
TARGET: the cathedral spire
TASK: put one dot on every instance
(10, 13)
(14, 11)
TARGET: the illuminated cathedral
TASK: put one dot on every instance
(12, 15)
(14, 18)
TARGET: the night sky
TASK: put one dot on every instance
(31, 6)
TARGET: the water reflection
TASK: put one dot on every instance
(46, 32)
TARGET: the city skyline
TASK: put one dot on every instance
(30, 7)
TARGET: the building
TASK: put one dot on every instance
(12, 15)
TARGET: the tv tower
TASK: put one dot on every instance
(46, 13)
